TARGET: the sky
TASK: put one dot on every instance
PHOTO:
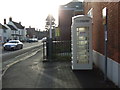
(30, 12)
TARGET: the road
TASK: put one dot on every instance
(7, 58)
(33, 57)
(25, 45)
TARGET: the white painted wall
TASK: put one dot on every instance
(21, 32)
(1, 31)
(24, 34)
(5, 35)
(14, 32)
(113, 67)
(8, 34)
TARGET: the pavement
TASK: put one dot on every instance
(34, 73)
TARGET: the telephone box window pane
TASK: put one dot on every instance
(82, 45)
(82, 29)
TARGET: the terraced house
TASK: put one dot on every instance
(12, 30)
(3, 33)
(21, 31)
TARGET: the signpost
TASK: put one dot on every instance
(104, 14)
(50, 21)
(50, 40)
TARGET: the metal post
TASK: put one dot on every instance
(105, 27)
(43, 50)
(50, 27)
(105, 40)
(50, 40)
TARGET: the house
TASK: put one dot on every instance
(1, 31)
(94, 9)
(35, 33)
(31, 32)
(40, 34)
(20, 30)
(13, 32)
(66, 12)
(4, 34)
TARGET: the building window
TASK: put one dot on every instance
(90, 13)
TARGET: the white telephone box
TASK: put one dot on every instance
(81, 34)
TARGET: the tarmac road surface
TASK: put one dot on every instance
(32, 72)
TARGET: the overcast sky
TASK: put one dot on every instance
(30, 12)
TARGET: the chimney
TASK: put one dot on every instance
(19, 22)
(4, 21)
(10, 19)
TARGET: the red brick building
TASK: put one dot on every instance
(31, 32)
(66, 12)
(113, 52)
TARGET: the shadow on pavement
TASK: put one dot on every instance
(93, 79)
(60, 75)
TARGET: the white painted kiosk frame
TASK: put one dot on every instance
(81, 34)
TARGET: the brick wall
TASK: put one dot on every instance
(119, 31)
(113, 28)
(113, 31)
(65, 21)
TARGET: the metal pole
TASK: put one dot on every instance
(105, 77)
(50, 40)
(43, 50)
(50, 27)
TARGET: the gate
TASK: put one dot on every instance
(61, 50)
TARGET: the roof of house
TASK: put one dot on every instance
(11, 27)
(0, 26)
(18, 25)
(75, 5)
(3, 27)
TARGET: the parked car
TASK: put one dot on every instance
(13, 45)
(35, 40)
(44, 39)
(32, 40)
